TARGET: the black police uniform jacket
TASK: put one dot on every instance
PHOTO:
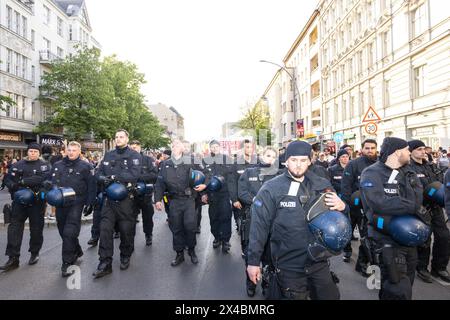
(336, 173)
(238, 169)
(124, 164)
(352, 176)
(27, 174)
(277, 210)
(386, 193)
(447, 192)
(220, 165)
(174, 178)
(251, 181)
(78, 175)
(149, 169)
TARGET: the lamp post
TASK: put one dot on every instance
(295, 88)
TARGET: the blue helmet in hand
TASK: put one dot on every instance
(143, 188)
(24, 197)
(409, 230)
(116, 192)
(196, 178)
(435, 193)
(216, 183)
(61, 197)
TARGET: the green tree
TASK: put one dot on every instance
(5, 100)
(255, 121)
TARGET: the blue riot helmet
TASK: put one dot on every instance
(116, 192)
(356, 200)
(61, 197)
(216, 183)
(196, 178)
(408, 230)
(143, 188)
(24, 197)
(331, 228)
(435, 193)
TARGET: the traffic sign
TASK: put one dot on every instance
(371, 128)
(338, 137)
(371, 116)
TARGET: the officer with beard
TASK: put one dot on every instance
(250, 182)
(390, 189)
(144, 202)
(123, 166)
(218, 164)
(428, 173)
(349, 185)
(23, 176)
(279, 209)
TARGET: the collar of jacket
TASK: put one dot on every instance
(121, 150)
(28, 160)
(316, 182)
(369, 160)
(71, 163)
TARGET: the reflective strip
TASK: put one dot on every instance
(431, 192)
(393, 176)
(293, 189)
(380, 223)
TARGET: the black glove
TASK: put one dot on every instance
(88, 210)
(47, 185)
(106, 180)
(424, 215)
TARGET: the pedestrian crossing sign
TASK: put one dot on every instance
(371, 115)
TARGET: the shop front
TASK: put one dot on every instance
(12, 144)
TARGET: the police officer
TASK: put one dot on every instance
(250, 182)
(428, 173)
(248, 159)
(96, 218)
(124, 166)
(217, 164)
(279, 209)
(72, 172)
(144, 202)
(174, 178)
(389, 188)
(349, 185)
(29, 173)
(337, 170)
(317, 169)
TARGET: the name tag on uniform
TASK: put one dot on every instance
(337, 177)
(253, 179)
(421, 175)
(288, 204)
(44, 168)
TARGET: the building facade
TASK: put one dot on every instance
(33, 34)
(170, 119)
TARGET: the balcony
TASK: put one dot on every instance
(47, 58)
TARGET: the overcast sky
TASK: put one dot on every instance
(201, 56)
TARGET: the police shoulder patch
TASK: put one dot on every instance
(258, 203)
(366, 184)
(44, 168)
(136, 162)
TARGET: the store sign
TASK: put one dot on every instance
(52, 141)
(92, 145)
(300, 128)
(10, 136)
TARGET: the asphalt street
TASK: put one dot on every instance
(218, 276)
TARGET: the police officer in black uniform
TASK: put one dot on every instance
(124, 166)
(389, 188)
(218, 164)
(250, 182)
(145, 202)
(96, 217)
(349, 185)
(428, 173)
(337, 171)
(248, 159)
(174, 178)
(72, 172)
(279, 209)
(29, 173)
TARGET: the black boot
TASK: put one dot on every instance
(103, 269)
(124, 263)
(11, 264)
(346, 257)
(116, 235)
(33, 259)
(216, 243)
(194, 258)
(148, 240)
(226, 246)
(64, 271)
(93, 242)
(178, 259)
(251, 288)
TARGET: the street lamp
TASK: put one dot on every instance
(295, 87)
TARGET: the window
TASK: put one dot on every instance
(334, 80)
(315, 90)
(313, 37)
(284, 130)
(9, 18)
(387, 88)
(369, 13)
(292, 128)
(350, 69)
(386, 37)
(24, 67)
(418, 20)
(33, 110)
(47, 44)
(333, 47)
(360, 62)
(344, 109)
(371, 96)
(33, 75)
(341, 39)
(24, 27)
(361, 103)
(370, 55)
(353, 111)
(349, 31)
(46, 15)
(342, 69)
(70, 32)
(283, 107)
(60, 53)
(337, 114)
(18, 63)
(17, 28)
(9, 61)
(33, 39)
(419, 81)
(60, 27)
(314, 62)
(291, 106)
(359, 22)
(325, 56)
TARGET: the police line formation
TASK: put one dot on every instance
(291, 217)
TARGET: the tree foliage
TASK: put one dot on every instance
(255, 121)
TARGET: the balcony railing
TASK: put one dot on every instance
(46, 57)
